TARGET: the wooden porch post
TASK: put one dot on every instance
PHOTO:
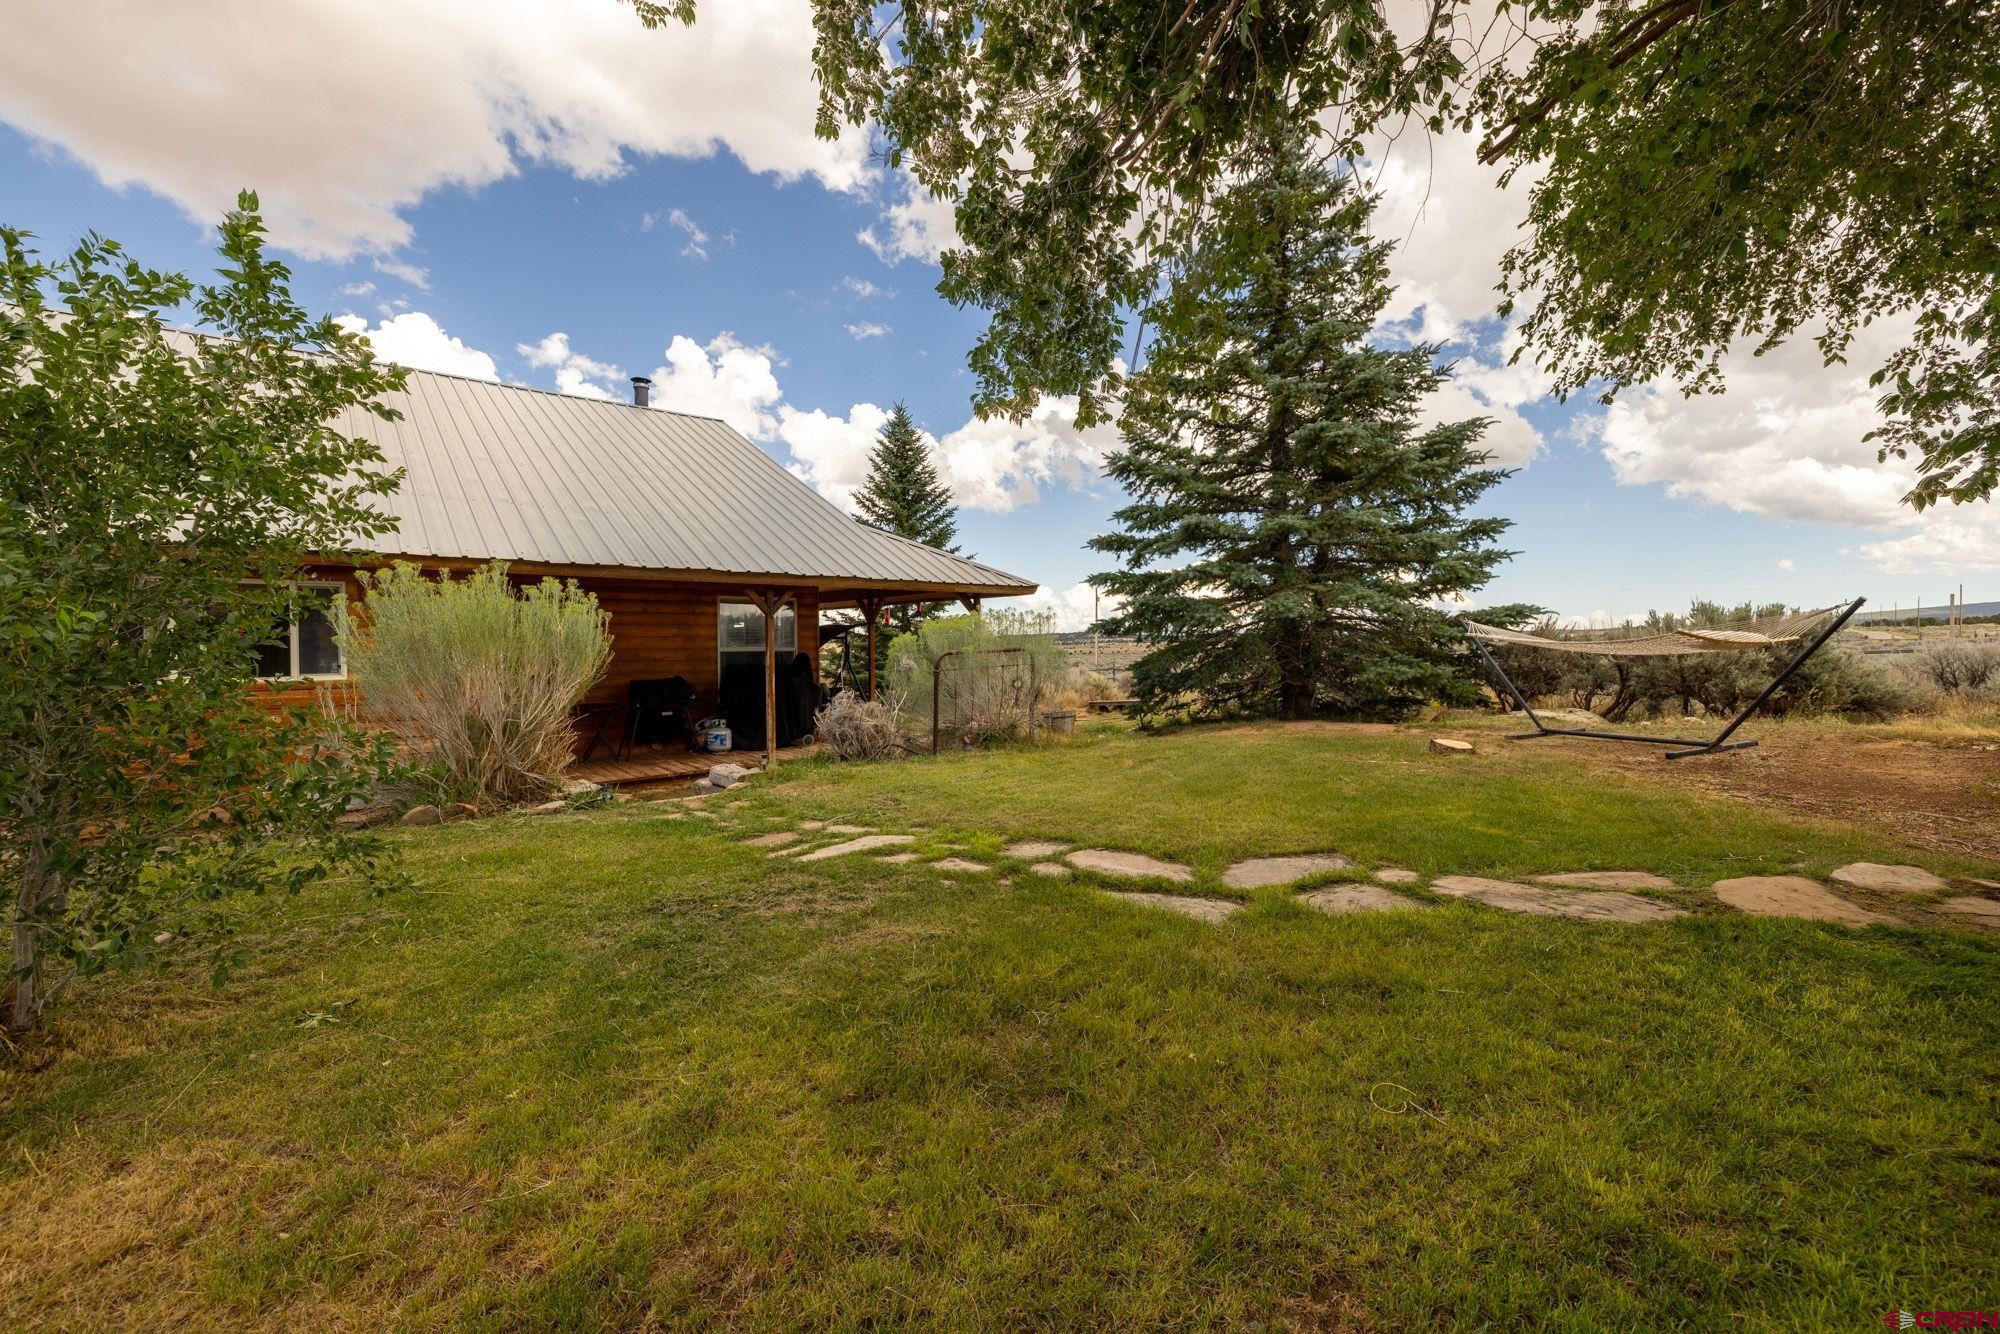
(770, 601)
(872, 609)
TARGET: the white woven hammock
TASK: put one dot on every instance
(1765, 632)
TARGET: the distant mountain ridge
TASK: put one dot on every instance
(1927, 613)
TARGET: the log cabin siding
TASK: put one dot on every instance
(657, 630)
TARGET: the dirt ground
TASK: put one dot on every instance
(1940, 796)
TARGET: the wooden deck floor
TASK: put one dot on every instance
(653, 764)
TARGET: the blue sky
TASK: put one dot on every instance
(471, 180)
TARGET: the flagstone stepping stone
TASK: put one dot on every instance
(1261, 871)
(1206, 910)
(1131, 864)
(777, 839)
(1050, 869)
(1445, 745)
(849, 829)
(788, 852)
(899, 858)
(1973, 906)
(1395, 875)
(1791, 896)
(1594, 905)
(957, 865)
(866, 843)
(1983, 884)
(1606, 880)
(1357, 898)
(1028, 849)
(812, 824)
(1887, 879)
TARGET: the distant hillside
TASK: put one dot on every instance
(1927, 613)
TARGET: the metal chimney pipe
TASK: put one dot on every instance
(642, 392)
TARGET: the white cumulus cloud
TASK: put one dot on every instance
(1073, 608)
(415, 339)
(916, 225)
(345, 115)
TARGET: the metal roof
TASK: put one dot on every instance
(503, 471)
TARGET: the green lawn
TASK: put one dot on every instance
(615, 1069)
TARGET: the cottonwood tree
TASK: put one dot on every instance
(1292, 524)
(1717, 172)
(158, 492)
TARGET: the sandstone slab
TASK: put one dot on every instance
(1971, 905)
(1605, 880)
(899, 858)
(1132, 864)
(1206, 910)
(866, 843)
(1049, 869)
(1028, 849)
(1339, 899)
(958, 865)
(1444, 745)
(1791, 896)
(423, 815)
(848, 828)
(1261, 871)
(1887, 879)
(776, 839)
(1395, 875)
(1592, 905)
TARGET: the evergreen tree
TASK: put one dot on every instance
(904, 495)
(1291, 523)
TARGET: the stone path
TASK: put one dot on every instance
(1261, 871)
(1030, 849)
(1887, 879)
(1129, 864)
(1206, 910)
(1359, 898)
(1597, 905)
(1606, 880)
(1599, 896)
(866, 843)
(1791, 896)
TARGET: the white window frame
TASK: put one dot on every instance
(292, 633)
(722, 654)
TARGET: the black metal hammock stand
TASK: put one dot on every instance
(1769, 632)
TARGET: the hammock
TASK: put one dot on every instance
(1764, 632)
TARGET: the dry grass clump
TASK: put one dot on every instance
(853, 728)
(1080, 687)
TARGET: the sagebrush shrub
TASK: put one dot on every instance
(1955, 667)
(476, 676)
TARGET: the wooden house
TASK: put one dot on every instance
(710, 557)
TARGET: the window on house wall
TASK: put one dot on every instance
(739, 634)
(302, 644)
